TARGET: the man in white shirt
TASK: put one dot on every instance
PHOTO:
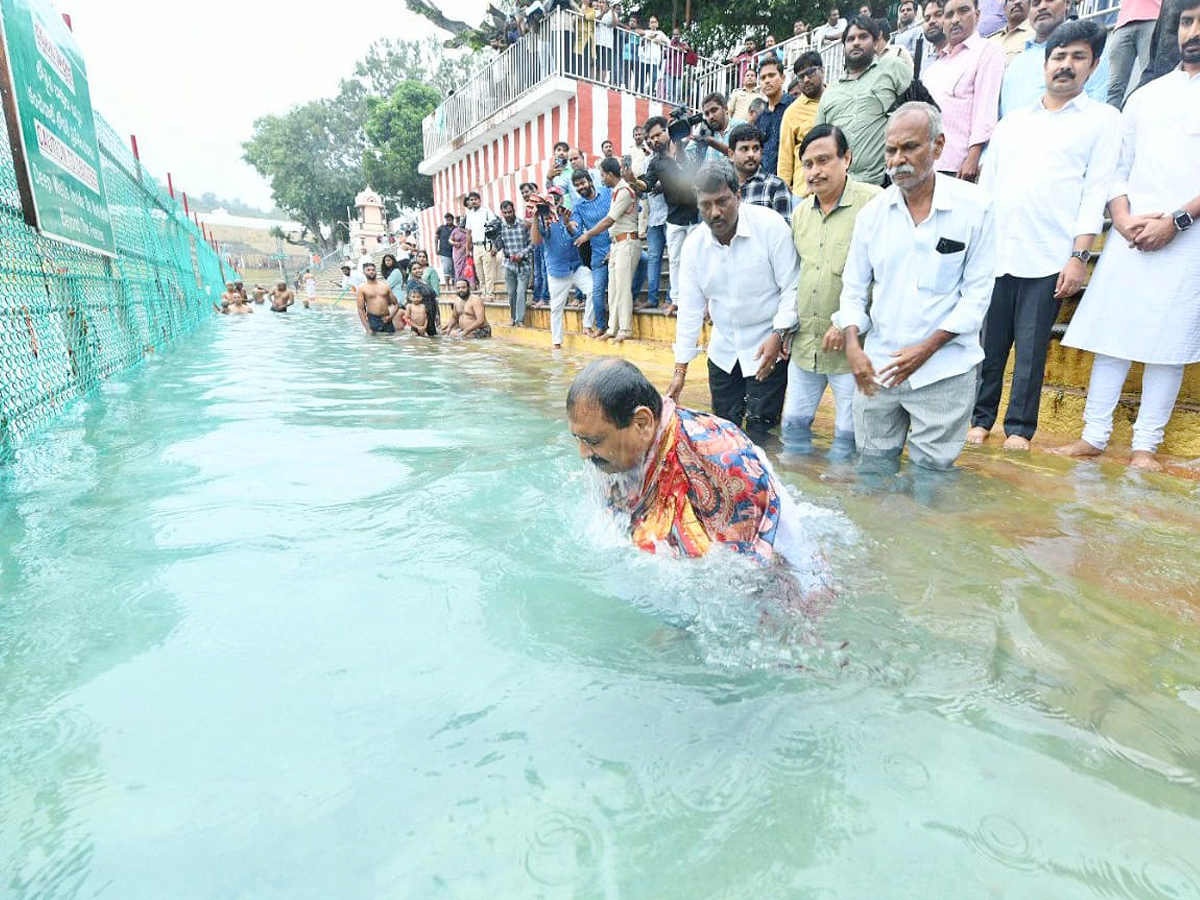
(831, 32)
(1143, 302)
(1048, 170)
(487, 266)
(741, 264)
(926, 246)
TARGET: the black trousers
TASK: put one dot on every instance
(737, 398)
(1022, 311)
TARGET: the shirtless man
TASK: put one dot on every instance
(282, 297)
(240, 287)
(260, 294)
(470, 317)
(237, 307)
(229, 295)
(376, 303)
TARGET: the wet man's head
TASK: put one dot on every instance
(229, 285)
(613, 411)
(282, 285)
(462, 288)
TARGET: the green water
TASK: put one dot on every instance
(290, 612)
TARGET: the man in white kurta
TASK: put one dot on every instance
(1143, 303)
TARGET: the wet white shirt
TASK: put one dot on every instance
(749, 287)
(919, 289)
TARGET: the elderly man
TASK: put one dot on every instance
(1024, 79)
(741, 265)
(821, 229)
(923, 253)
(687, 480)
(1048, 171)
(965, 82)
(800, 117)
(1143, 302)
(1015, 36)
(858, 102)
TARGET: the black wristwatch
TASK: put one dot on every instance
(1182, 219)
(1083, 256)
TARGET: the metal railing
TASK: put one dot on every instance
(568, 45)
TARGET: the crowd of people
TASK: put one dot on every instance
(891, 234)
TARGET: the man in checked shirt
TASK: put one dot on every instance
(758, 188)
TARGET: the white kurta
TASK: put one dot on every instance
(1146, 306)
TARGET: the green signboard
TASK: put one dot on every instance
(49, 112)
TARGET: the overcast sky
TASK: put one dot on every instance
(189, 79)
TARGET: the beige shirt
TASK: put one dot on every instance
(739, 103)
(624, 211)
(1014, 41)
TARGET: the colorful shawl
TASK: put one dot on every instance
(705, 483)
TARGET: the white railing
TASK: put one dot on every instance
(565, 44)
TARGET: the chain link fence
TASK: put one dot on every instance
(70, 318)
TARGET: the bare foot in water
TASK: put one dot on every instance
(1016, 442)
(1145, 460)
(1080, 449)
(977, 434)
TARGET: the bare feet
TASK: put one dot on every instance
(977, 434)
(557, 347)
(1077, 449)
(669, 309)
(1145, 460)
(604, 336)
(1016, 442)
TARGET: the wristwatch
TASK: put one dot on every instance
(783, 333)
(1083, 256)
(1183, 219)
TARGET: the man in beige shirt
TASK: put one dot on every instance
(741, 98)
(1017, 33)
(626, 250)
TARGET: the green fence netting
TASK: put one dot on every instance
(70, 318)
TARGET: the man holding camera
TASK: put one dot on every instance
(481, 245)
(541, 292)
(710, 137)
(554, 232)
(665, 175)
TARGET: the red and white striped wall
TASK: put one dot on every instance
(595, 114)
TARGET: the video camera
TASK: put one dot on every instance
(491, 230)
(682, 122)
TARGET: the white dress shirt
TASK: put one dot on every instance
(749, 287)
(1048, 174)
(476, 219)
(918, 290)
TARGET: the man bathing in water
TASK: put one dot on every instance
(282, 297)
(377, 305)
(687, 480)
(227, 298)
(469, 319)
(260, 294)
(237, 307)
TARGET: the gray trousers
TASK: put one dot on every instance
(932, 419)
(1125, 45)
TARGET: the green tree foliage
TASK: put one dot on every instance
(717, 29)
(396, 146)
(318, 156)
(312, 156)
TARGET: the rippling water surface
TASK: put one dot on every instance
(295, 613)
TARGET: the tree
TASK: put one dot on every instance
(312, 156)
(396, 145)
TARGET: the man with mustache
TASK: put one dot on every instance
(822, 226)
(923, 255)
(1025, 80)
(858, 102)
(1143, 302)
(965, 82)
(742, 267)
(687, 480)
(1048, 170)
(1017, 32)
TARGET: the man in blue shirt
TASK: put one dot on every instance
(555, 235)
(770, 81)
(1025, 78)
(592, 206)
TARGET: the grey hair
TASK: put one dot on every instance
(932, 114)
(717, 173)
